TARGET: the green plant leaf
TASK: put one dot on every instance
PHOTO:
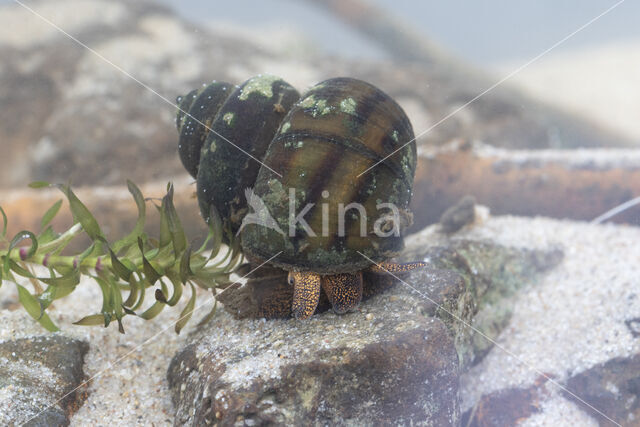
(119, 268)
(69, 280)
(46, 322)
(185, 266)
(138, 229)
(117, 303)
(81, 214)
(24, 235)
(4, 224)
(153, 311)
(50, 214)
(116, 296)
(34, 308)
(46, 236)
(215, 228)
(134, 291)
(187, 312)
(53, 293)
(29, 302)
(150, 273)
(165, 233)
(91, 320)
(156, 308)
(107, 300)
(128, 263)
(142, 293)
(173, 222)
(39, 184)
(177, 288)
(16, 268)
(84, 255)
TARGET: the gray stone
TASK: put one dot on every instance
(613, 388)
(491, 274)
(505, 407)
(634, 326)
(33, 371)
(396, 360)
(332, 370)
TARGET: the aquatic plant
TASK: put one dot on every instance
(126, 270)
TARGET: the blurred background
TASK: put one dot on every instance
(485, 33)
(525, 77)
(592, 67)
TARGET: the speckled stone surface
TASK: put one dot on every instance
(363, 367)
(35, 375)
(395, 360)
(612, 387)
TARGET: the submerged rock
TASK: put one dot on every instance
(612, 388)
(398, 368)
(492, 275)
(396, 360)
(34, 373)
(575, 319)
(634, 326)
(505, 407)
(460, 214)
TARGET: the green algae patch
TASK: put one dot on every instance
(228, 119)
(261, 84)
(348, 106)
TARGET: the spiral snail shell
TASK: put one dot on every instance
(312, 154)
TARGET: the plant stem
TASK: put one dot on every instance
(64, 237)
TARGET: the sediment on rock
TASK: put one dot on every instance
(39, 379)
(361, 367)
(612, 388)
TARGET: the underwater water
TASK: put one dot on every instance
(498, 145)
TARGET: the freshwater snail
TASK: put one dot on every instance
(305, 159)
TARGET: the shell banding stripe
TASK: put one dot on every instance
(370, 108)
(324, 158)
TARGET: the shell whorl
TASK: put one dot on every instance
(226, 160)
(202, 105)
(321, 143)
